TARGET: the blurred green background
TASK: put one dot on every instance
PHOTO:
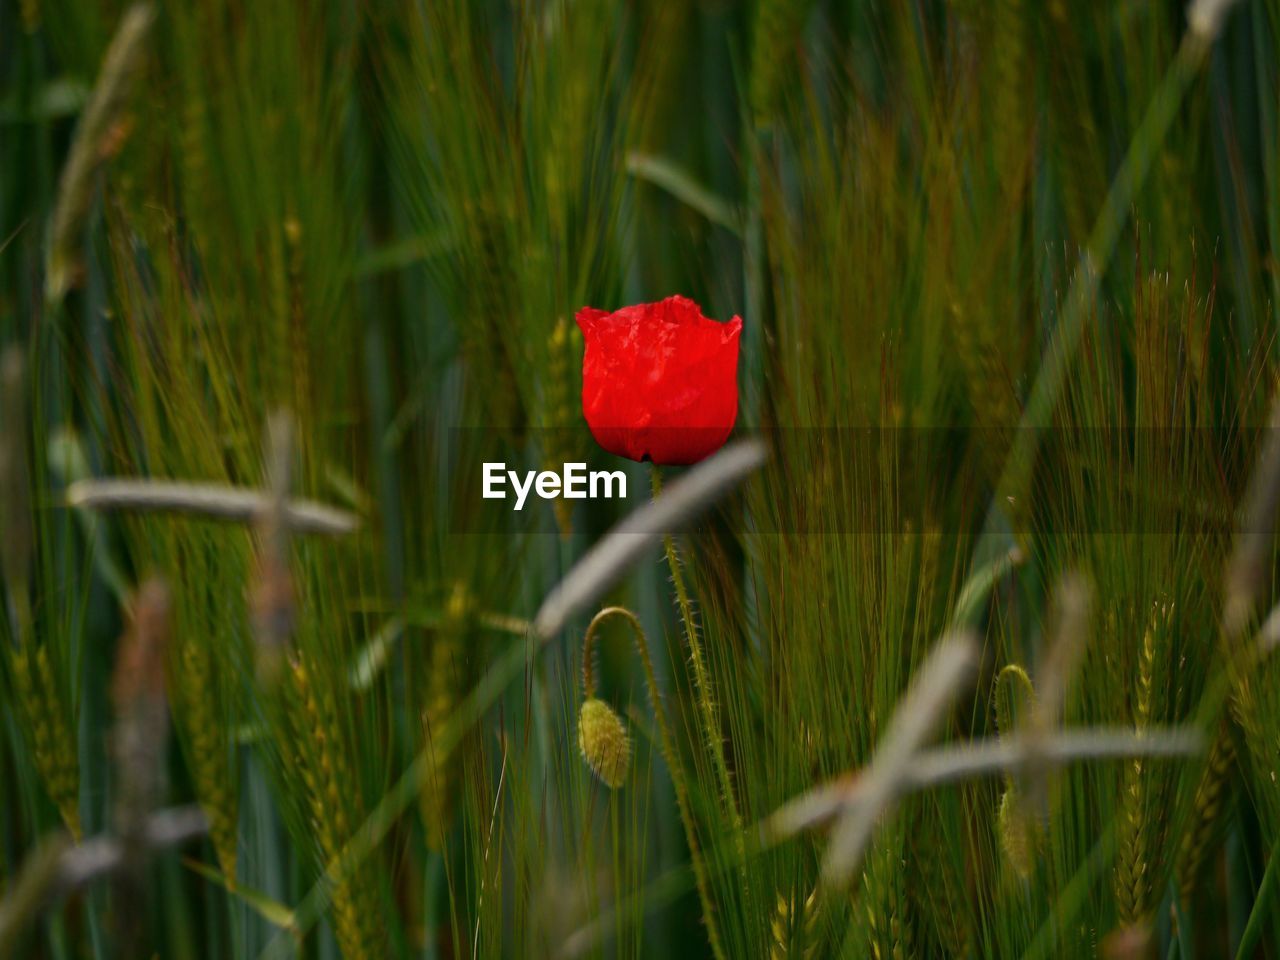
(1035, 240)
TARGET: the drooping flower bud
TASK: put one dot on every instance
(604, 742)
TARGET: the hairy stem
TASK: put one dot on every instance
(701, 675)
(668, 744)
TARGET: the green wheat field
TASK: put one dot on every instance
(963, 646)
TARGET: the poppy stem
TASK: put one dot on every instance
(701, 675)
(666, 740)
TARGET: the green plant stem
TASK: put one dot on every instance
(701, 675)
(1262, 904)
(668, 743)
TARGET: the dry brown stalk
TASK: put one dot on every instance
(981, 758)
(138, 743)
(58, 867)
(142, 717)
(605, 562)
(234, 504)
(16, 544)
(934, 689)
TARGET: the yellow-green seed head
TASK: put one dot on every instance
(605, 746)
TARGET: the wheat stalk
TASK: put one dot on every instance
(444, 678)
(1133, 869)
(794, 928)
(1211, 794)
(52, 744)
(120, 64)
(777, 29)
(938, 894)
(209, 753)
(334, 809)
(883, 934)
(561, 412)
(1247, 571)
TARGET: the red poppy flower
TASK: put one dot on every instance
(659, 380)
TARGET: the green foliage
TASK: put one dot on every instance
(1007, 273)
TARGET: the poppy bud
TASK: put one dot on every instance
(604, 743)
(1019, 836)
(659, 380)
